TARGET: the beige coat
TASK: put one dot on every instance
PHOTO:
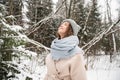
(66, 69)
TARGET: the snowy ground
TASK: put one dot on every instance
(103, 74)
(99, 68)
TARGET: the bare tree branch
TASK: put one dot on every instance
(24, 37)
(59, 7)
(114, 42)
(44, 20)
(113, 31)
(37, 44)
(97, 38)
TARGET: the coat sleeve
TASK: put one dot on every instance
(77, 68)
(45, 78)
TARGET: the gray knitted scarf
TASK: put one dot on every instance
(65, 48)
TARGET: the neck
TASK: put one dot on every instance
(62, 36)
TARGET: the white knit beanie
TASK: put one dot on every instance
(74, 26)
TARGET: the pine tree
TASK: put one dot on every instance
(38, 11)
(93, 23)
(9, 39)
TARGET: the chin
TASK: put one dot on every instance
(60, 32)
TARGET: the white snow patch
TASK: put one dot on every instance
(103, 74)
(15, 28)
(21, 48)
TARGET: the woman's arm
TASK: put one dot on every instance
(77, 68)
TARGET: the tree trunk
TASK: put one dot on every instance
(11, 7)
(69, 10)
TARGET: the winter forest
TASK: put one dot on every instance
(27, 28)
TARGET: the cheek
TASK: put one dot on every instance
(62, 30)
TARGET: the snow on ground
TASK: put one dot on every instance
(99, 68)
(103, 74)
(103, 62)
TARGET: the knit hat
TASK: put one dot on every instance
(74, 26)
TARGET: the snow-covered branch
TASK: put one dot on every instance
(99, 37)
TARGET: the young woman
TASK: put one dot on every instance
(65, 62)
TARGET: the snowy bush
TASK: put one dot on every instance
(16, 62)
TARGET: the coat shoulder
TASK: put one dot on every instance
(77, 56)
(48, 56)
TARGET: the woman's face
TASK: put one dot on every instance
(63, 28)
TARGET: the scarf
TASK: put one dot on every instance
(65, 48)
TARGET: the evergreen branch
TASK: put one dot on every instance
(87, 19)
